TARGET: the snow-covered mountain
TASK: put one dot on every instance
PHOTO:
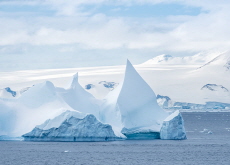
(7, 93)
(227, 65)
(183, 83)
(221, 60)
(161, 59)
(198, 59)
(213, 79)
(214, 87)
(101, 88)
(179, 78)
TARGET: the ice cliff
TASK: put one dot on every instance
(173, 127)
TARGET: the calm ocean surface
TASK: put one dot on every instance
(208, 143)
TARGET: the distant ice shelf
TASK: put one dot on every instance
(165, 102)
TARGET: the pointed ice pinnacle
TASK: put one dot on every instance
(75, 81)
(79, 99)
(137, 102)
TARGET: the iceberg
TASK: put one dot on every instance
(132, 107)
(41, 102)
(173, 127)
(72, 126)
(129, 111)
(137, 102)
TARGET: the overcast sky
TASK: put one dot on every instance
(37, 34)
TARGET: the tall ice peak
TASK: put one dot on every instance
(130, 70)
(74, 81)
(137, 101)
(133, 79)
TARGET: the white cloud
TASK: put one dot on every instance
(71, 25)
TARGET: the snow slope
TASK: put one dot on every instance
(197, 59)
(213, 72)
(183, 83)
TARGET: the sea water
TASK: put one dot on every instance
(208, 143)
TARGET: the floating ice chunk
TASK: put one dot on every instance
(73, 129)
(210, 132)
(206, 131)
(173, 127)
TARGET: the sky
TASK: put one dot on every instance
(44, 34)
